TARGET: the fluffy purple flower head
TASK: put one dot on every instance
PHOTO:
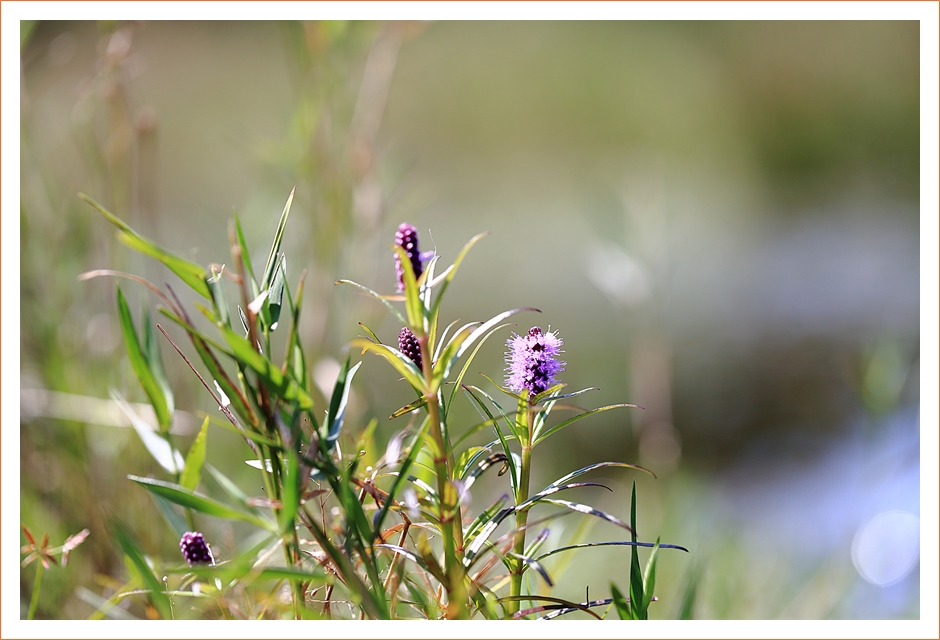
(195, 549)
(409, 345)
(531, 360)
(407, 238)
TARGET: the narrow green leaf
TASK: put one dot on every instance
(155, 363)
(452, 271)
(227, 485)
(137, 564)
(141, 366)
(337, 413)
(408, 408)
(276, 245)
(636, 578)
(246, 256)
(649, 577)
(192, 471)
(598, 465)
(558, 427)
(156, 444)
(413, 306)
(388, 305)
(173, 519)
(513, 476)
(271, 310)
(621, 604)
(178, 495)
(189, 272)
(290, 497)
(458, 381)
(266, 370)
(416, 446)
(397, 359)
(219, 301)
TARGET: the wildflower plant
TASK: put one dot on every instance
(396, 540)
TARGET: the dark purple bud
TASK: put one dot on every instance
(408, 344)
(407, 238)
(195, 549)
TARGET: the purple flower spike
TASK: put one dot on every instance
(531, 360)
(407, 238)
(408, 344)
(195, 549)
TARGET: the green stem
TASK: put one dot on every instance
(522, 494)
(34, 601)
(449, 513)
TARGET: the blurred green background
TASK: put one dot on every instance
(720, 218)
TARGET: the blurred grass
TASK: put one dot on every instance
(700, 149)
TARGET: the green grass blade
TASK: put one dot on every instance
(276, 245)
(636, 578)
(598, 465)
(192, 470)
(649, 578)
(246, 256)
(337, 413)
(189, 272)
(413, 306)
(173, 519)
(397, 359)
(452, 271)
(183, 497)
(137, 564)
(621, 604)
(141, 365)
(158, 446)
(388, 305)
(558, 427)
(155, 363)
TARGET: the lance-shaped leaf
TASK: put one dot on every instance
(458, 381)
(192, 470)
(535, 564)
(246, 256)
(555, 489)
(143, 368)
(408, 408)
(598, 465)
(636, 578)
(589, 510)
(649, 577)
(219, 301)
(624, 610)
(138, 565)
(271, 310)
(173, 519)
(189, 272)
(558, 427)
(183, 497)
(620, 543)
(270, 265)
(383, 299)
(431, 567)
(337, 412)
(158, 446)
(413, 306)
(396, 358)
(266, 370)
(451, 271)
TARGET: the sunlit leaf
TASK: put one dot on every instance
(183, 497)
(190, 273)
(142, 367)
(192, 470)
(156, 444)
